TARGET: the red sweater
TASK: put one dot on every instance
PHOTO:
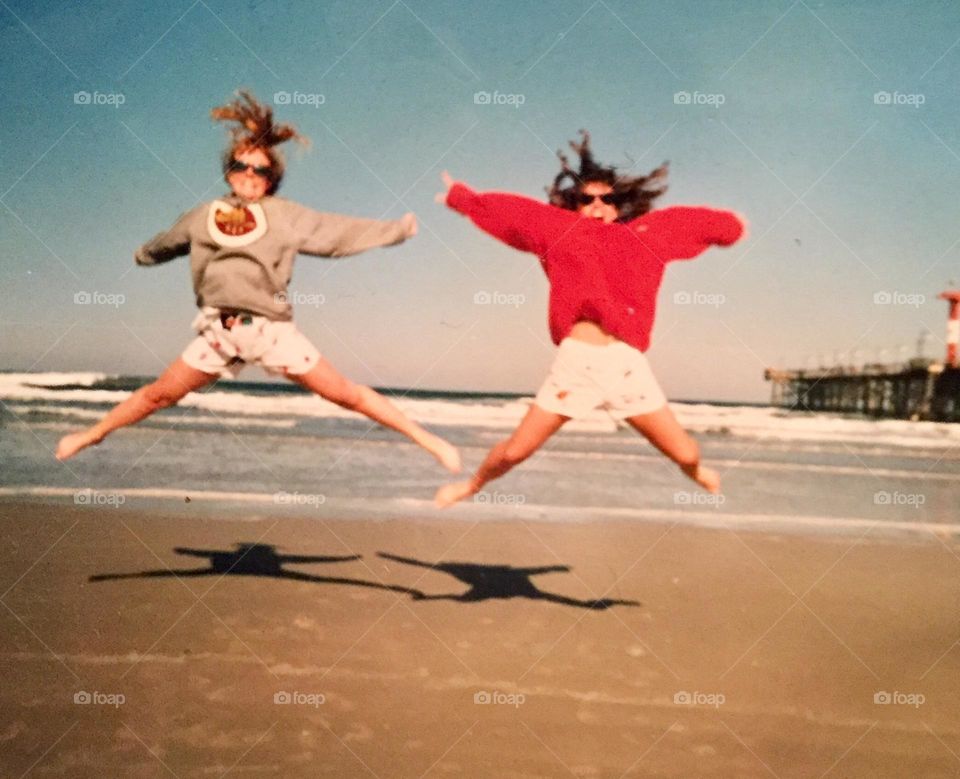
(604, 273)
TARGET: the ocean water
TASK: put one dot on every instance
(260, 451)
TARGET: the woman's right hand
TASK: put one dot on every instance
(441, 197)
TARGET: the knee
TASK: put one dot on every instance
(512, 454)
(160, 396)
(688, 456)
(346, 395)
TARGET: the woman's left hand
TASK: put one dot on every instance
(409, 222)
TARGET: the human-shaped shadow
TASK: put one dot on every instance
(503, 581)
(256, 560)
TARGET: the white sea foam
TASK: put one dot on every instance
(762, 424)
(75, 412)
(50, 379)
(776, 424)
(334, 508)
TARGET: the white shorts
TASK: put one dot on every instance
(277, 347)
(613, 377)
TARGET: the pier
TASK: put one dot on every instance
(917, 389)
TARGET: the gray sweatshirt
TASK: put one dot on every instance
(241, 253)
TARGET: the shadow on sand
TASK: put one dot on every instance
(503, 581)
(256, 560)
(485, 581)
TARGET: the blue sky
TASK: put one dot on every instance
(849, 195)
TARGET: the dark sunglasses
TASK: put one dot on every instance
(611, 198)
(236, 166)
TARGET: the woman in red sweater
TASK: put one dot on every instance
(604, 252)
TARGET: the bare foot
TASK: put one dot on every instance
(449, 494)
(707, 478)
(72, 443)
(446, 453)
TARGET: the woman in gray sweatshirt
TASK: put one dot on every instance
(242, 248)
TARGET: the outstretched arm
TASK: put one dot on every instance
(407, 560)
(520, 222)
(195, 552)
(296, 558)
(683, 232)
(170, 244)
(544, 569)
(105, 577)
(334, 235)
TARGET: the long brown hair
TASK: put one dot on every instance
(635, 194)
(254, 128)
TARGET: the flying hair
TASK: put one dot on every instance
(635, 194)
(253, 127)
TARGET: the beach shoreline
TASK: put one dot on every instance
(742, 654)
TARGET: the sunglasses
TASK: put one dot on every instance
(611, 198)
(236, 166)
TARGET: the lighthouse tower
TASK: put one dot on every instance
(952, 296)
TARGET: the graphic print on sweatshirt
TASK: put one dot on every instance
(231, 225)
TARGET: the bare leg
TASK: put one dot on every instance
(532, 432)
(175, 382)
(664, 432)
(327, 382)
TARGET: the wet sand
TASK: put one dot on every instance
(598, 649)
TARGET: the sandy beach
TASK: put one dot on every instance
(277, 277)
(642, 649)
